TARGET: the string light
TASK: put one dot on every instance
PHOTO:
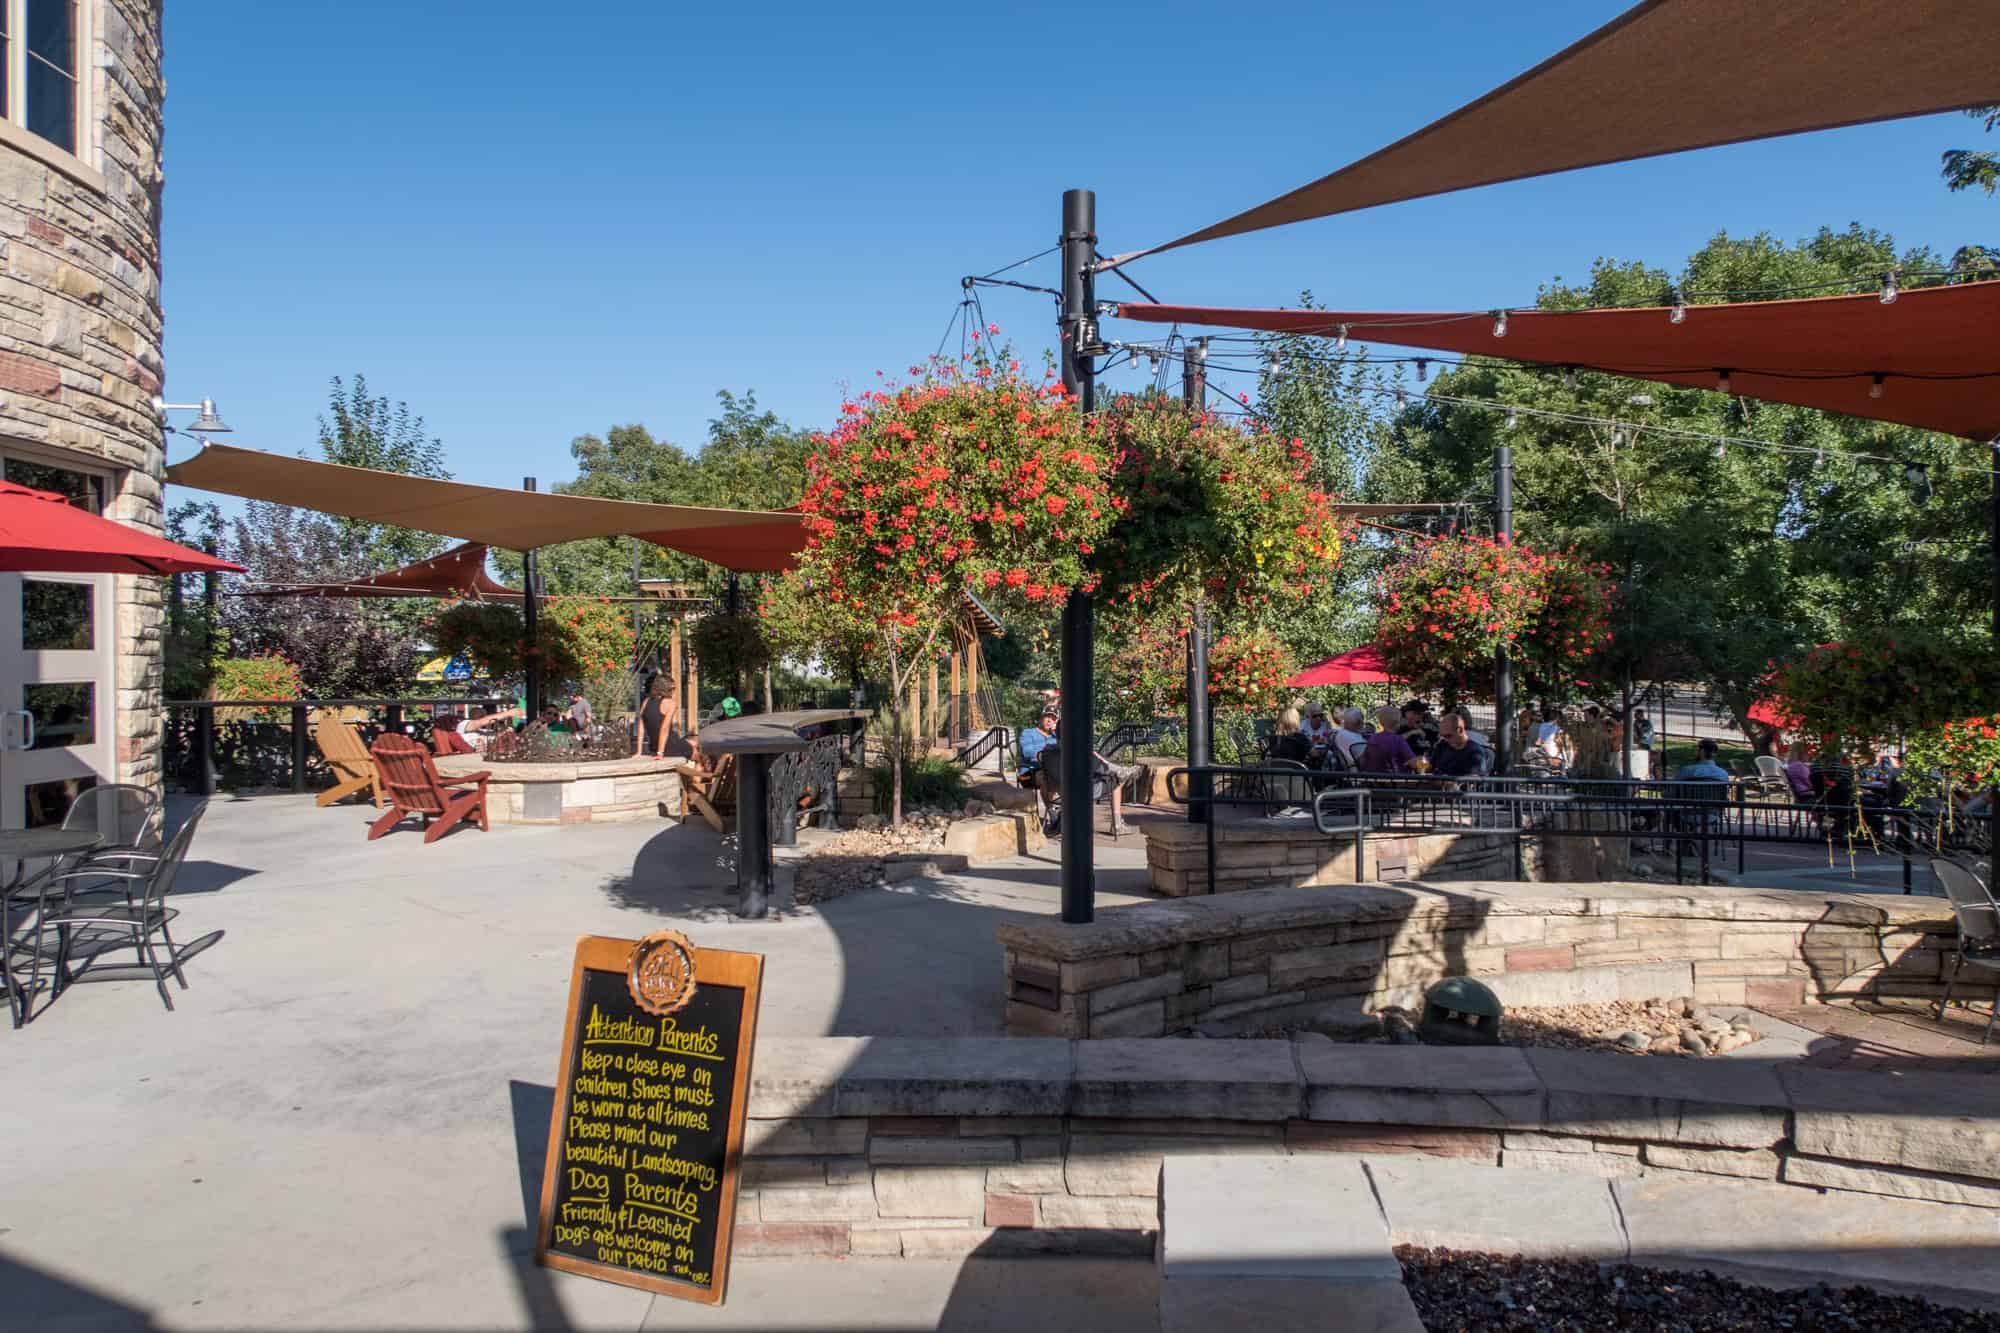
(1680, 310)
(1423, 369)
(1569, 377)
(1722, 381)
(1722, 448)
(1513, 418)
(1340, 339)
(1402, 398)
(1889, 289)
(1875, 387)
(1617, 437)
(1499, 323)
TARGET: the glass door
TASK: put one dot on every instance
(58, 696)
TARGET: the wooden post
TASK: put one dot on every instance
(695, 691)
(931, 712)
(972, 687)
(957, 735)
(674, 656)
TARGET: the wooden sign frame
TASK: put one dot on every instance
(721, 967)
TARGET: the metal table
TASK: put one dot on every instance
(21, 846)
(755, 741)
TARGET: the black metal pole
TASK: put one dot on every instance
(753, 834)
(733, 604)
(531, 675)
(298, 748)
(1993, 539)
(1503, 667)
(1625, 729)
(1077, 318)
(1199, 758)
(205, 747)
(1194, 376)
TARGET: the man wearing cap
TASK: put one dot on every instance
(1034, 740)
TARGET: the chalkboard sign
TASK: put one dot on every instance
(647, 1130)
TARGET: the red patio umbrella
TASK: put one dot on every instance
(1356, 666)
(40, 530)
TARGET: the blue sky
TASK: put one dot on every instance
(532, 221)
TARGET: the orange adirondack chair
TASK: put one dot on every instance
(345, 754)
(411, 782)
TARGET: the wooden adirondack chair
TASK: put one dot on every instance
(414, 788)
(353, 767)
(710, 793)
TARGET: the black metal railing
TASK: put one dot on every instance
(1692, 818)
(192, 734)
(975, 750)
(1132, 737)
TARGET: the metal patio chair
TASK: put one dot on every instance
(1978, 920)
(88, 910)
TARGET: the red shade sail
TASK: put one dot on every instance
(1933, 349)
(40, 530)
(458, 572)
(1771, 713)
(1667, 76)
(1356, 666)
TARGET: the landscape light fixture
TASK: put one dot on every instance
(206, 423)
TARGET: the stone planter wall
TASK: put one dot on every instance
(1245, 960)
(1274, 853)
(928, 1148)
(598, 791)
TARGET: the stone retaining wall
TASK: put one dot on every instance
(931, 1148)
(600, 791)
(1284, 853)
(1246, 960)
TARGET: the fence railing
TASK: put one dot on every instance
(1694, 818)
(298, 712)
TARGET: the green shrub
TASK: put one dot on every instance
(926, 781)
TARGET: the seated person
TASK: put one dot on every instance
(1457, 755)
(1388, 751)
(1106, 779)
(1704, 768)
(1034, 740)
(1291, 743)
(1798, 773)
(1349, 736)
(446, 738)
(1418, 727)
(1317, 728)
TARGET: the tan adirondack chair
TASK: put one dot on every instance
(353, 767)
(708, 794)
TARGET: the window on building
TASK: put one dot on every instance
(40, 68)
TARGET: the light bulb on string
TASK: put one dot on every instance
(1680, 311)
(1617, 437)
(1340, 339)
(1513, 418)
(1569, 377)
(1875, 386)
(1722, 448)
(1890, 291)
(1423, 369)
(1499, 323)
(1722, 381)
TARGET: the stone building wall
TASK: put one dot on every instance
(80, 321)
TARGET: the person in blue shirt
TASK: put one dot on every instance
(1704, 768)
(1034, 740)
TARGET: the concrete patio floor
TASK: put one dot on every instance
(342, 1123)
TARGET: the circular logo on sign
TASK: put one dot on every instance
(661, 974)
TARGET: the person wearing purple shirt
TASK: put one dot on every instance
(1387, 751)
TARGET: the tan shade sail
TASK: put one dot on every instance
(1667, 76)
(1930, 359)
(746, 540)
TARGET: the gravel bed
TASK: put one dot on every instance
(1460, 1292)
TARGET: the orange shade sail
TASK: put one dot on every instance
(751, 541)
(1667, 76)
(1930, 359)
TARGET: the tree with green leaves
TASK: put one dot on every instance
(1964, 168)
(362, 431)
